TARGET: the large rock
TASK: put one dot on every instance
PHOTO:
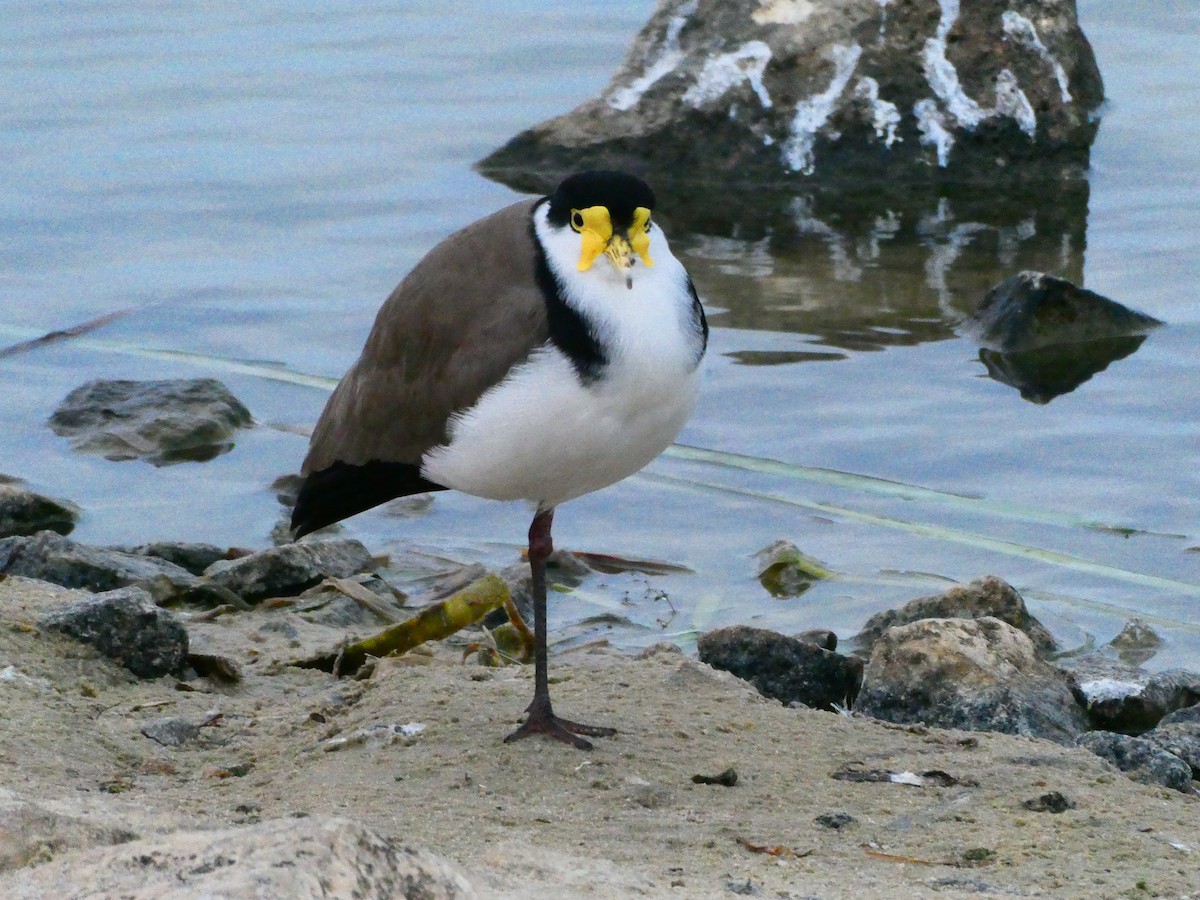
(1045, 336)
(127, 626)
(817, 90)
(784, 668)
(1140, 759)
(302, 859)
(289, 570)
(974, 674)
(163, 422)
(23, 512)
(51, 557)
(988, 596)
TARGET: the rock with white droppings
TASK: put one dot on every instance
(818, 91)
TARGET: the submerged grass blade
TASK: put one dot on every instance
(62, 334)
(203, 360)
(953, 535)
(873, 485)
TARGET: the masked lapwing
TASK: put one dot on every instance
(546, 351)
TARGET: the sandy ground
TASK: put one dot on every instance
(538, 819)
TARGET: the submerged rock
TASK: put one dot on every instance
(1045, 336)
(988, 596)
(23, 512)
(163, 422)
(786, 572)
(1140, 759)
(1136, 642)
(127, 626)
(975, 674)
(51, 557)
(784, 668)
(288, 570)
(783, 91)
(1032, 310)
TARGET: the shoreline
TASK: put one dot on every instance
(539, 819)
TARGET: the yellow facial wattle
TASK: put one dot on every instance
(639, 234)
(594, 225)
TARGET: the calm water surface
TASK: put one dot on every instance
(251, 182)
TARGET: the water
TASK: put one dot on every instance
(249, 183)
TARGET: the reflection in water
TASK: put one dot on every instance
(1048, 372)
(863, 273)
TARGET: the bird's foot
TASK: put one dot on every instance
(542, 720)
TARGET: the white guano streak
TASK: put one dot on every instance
(943, 79)
(667, 58)
(1021, 29)
(885, 117)
(813, 113)
(725, 72)
(932, 125)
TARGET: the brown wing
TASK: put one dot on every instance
(467, 313)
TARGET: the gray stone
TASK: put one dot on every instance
(295, 858)
(163, 422)
(988, 596)
(784, 668)
(1180, 739)
(1127, 699)
(195, 557)
(289, 570)
(826, 91)
(171, 731)
(975, 674)
(1188, 715)
(51, 557)
(127, 626)
(1140, 759)
(23, 512)
(835, 820)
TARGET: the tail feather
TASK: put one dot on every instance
(342, 490)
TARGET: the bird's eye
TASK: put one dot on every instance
(577, 220)
(649, 225)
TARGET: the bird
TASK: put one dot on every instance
(546, 351)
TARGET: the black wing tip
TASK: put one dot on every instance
(343, 490)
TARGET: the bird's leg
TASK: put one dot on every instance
(541, 718)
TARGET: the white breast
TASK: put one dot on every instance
(541, 434)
